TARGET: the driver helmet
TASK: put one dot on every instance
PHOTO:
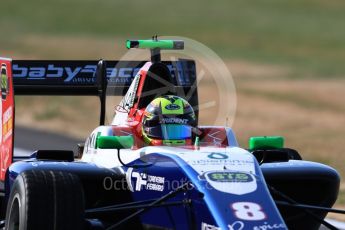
(168, 120)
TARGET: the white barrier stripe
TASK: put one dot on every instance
(21, 152)
(336, 223)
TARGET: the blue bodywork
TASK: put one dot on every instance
(203, 206)
(210, 206)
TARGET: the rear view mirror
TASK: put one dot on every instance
(114, 142)
(266, 142)
(80, 150)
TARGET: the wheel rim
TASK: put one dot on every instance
(14, 217)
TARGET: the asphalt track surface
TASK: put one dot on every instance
(28, 140)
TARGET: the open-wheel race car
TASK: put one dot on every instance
(154, 166)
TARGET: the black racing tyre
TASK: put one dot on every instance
(45, 200)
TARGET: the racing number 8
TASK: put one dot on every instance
(248, 211)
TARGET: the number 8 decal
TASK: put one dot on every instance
(248, 211)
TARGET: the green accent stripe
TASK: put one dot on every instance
(98, 135)
(152, 44)
(174, 142)
(115, 142)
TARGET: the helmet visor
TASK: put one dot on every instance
(170, 132)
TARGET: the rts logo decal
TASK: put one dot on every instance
(232, 182)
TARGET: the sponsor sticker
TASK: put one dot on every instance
(205, 226)
(174, 120)
(172, 107)
(7, 122)
(221, 156)
(83, 72)
(128, 100)
(138, 181)
(239, 225)
(267, 226)
(217, 162)
(4, 82)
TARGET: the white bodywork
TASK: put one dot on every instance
(109, 158)
(230, 159)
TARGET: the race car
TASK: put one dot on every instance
(154, 166)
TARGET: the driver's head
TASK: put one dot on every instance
(168, 120)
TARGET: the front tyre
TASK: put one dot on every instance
(41, 200)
